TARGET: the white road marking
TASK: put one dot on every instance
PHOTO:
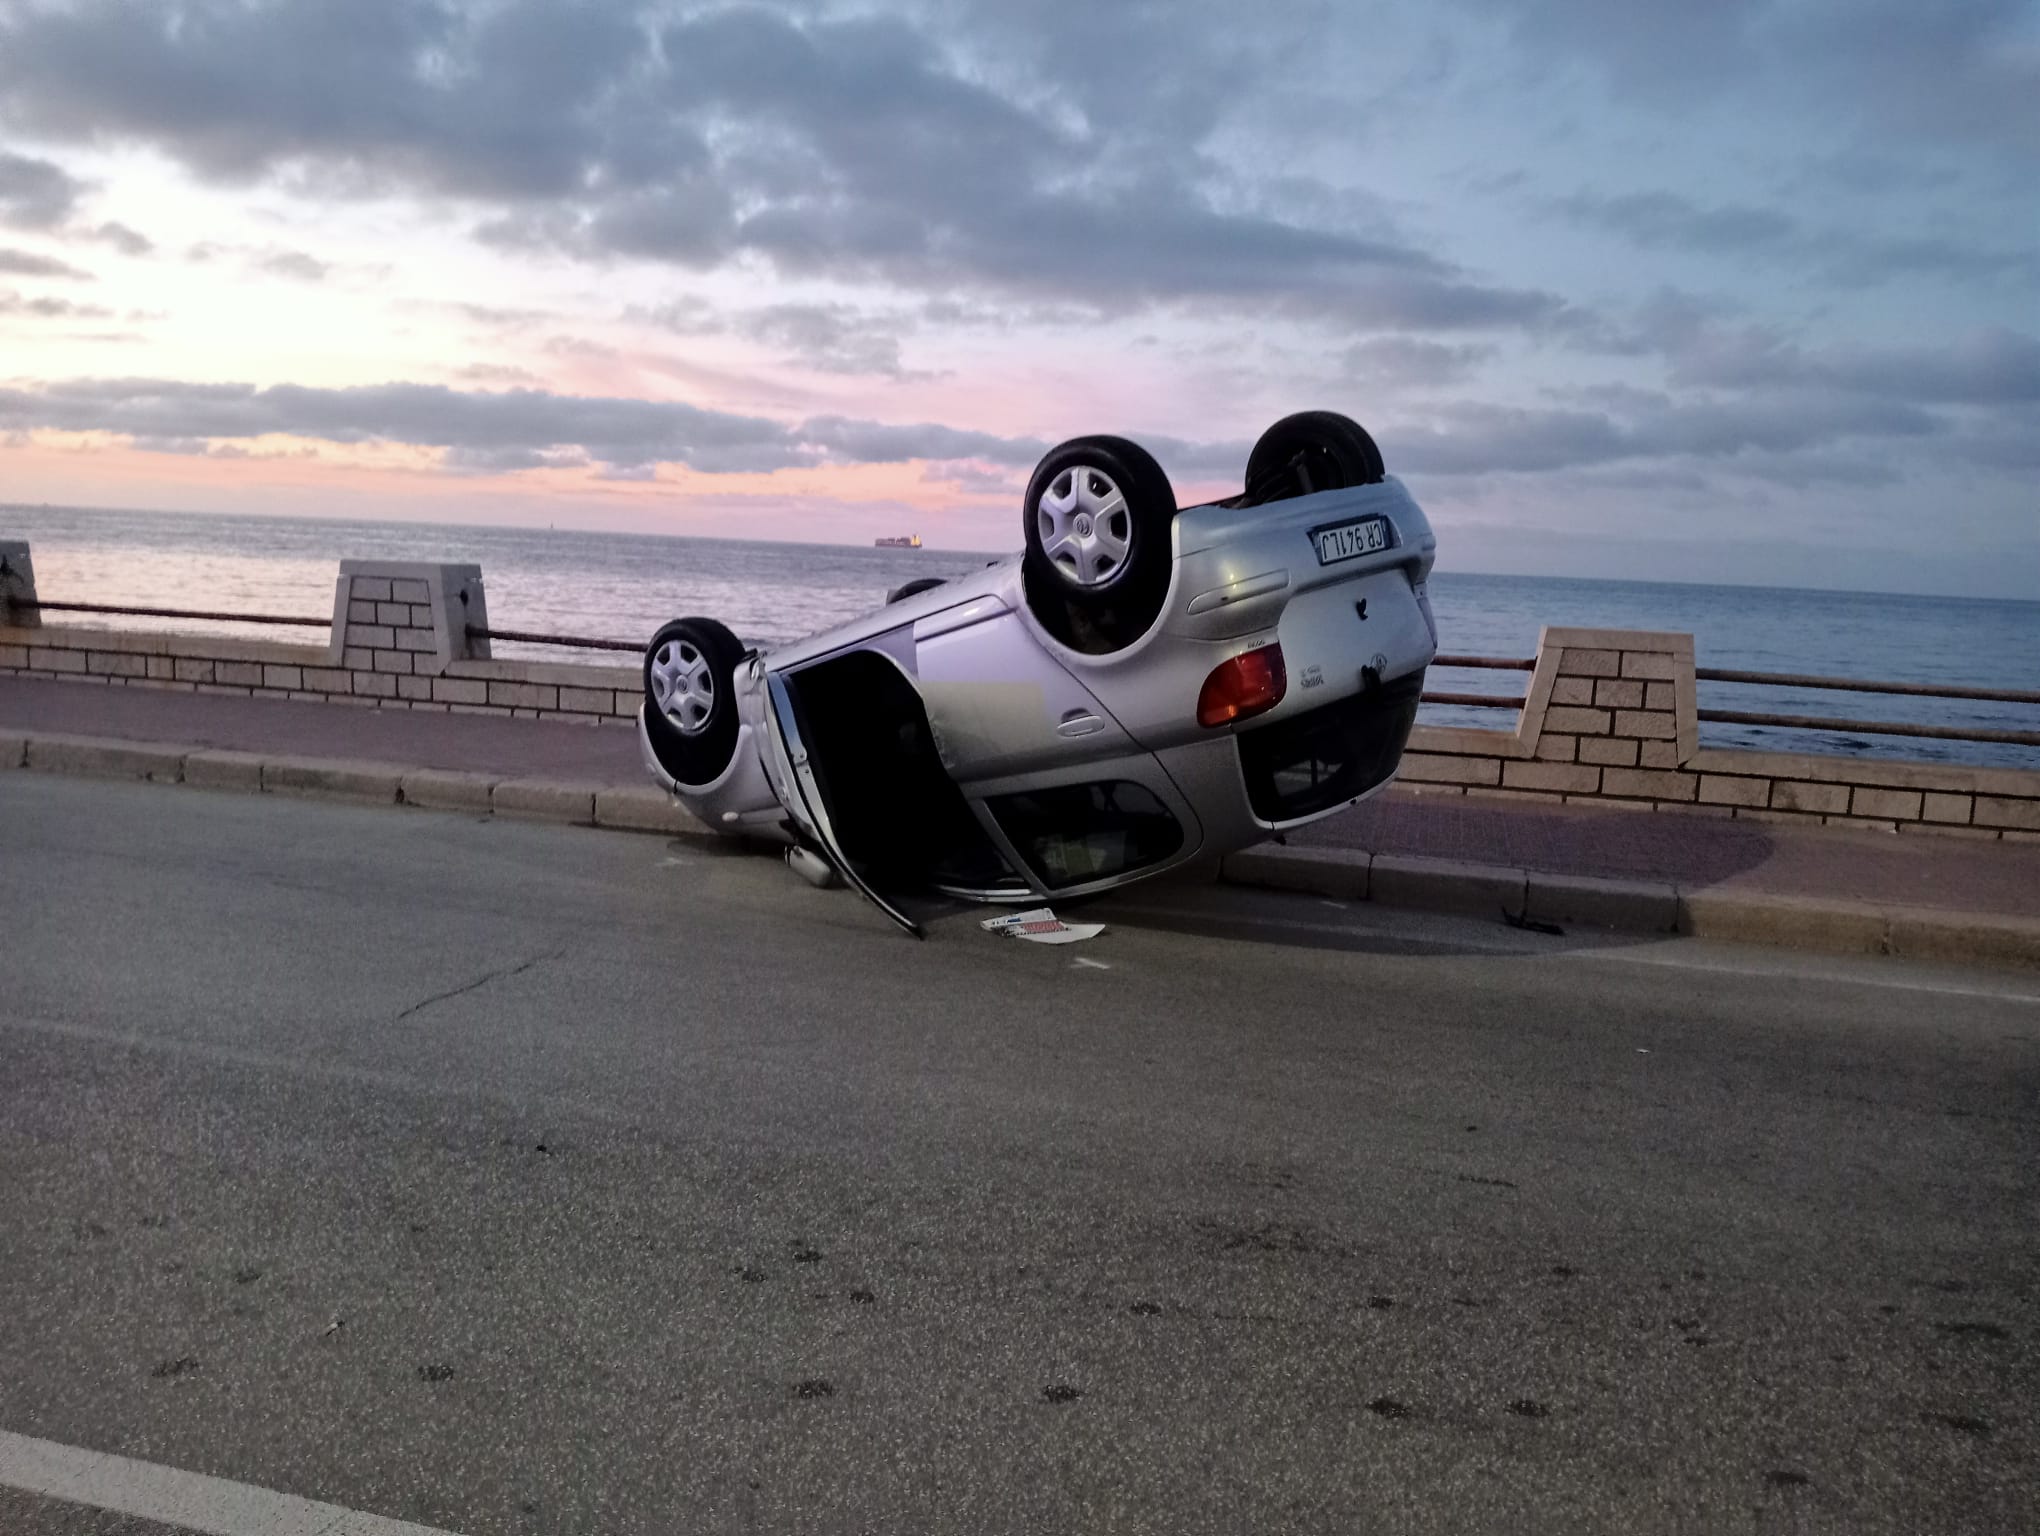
(1090, 965)
(190, 1500)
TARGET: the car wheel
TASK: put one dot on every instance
(1308, 452)
(690, 698)
(914, 588)
(1097, 520)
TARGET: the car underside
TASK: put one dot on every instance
(1143, 687)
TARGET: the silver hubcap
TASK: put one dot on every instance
(682, 686)
(1085, 526)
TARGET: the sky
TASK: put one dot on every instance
(1745, 291)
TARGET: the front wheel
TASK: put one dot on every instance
(1097, 523)
(690, 699)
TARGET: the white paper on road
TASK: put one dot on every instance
(1039, 925)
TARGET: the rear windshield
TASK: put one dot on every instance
(1076, 833)
(1312, 762)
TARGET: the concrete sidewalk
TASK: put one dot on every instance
(1929, 896)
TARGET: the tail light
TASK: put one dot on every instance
(1249, 684)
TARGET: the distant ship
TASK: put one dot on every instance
(911, 541)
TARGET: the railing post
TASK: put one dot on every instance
(17, 586)
(399, 620)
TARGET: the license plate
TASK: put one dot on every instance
(1350, 540)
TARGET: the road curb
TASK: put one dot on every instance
(621, 808)
(1833, 926)
(1822, 924)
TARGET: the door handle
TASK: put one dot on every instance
(1079, 722)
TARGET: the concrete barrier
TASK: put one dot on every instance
(545, 800)
(1335, 873)
(646, 809)
(1632, 906)
(1444, 885)
(223, 770)
(1794, 922)
(106, 759)
(440, 789)
(330, 780)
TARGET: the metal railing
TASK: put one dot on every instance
(1837, 723)
(44, 605)
(1869, 727)
(574, 642)
(1484, 663)
(1841, 723)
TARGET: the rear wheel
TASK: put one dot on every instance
(1309, 452)
(1097, 520)
(690, 698)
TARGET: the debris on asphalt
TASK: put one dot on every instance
(811, 867)
(1531, 924)
(1041, 926)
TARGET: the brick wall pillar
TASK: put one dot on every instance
(17, 586)
(1621, 712)
(397, 624)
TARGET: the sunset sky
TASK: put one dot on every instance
(1742, 291)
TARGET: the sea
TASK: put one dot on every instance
(623, 586)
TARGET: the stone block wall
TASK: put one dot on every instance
(399, 641)
(1611, 718)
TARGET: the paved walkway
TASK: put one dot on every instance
(1691, 851)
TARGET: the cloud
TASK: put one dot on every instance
(129, 242)
(1670, 221)
(295, 265)
(502, 430)
(494, 373)
(1408, 362)
(1480, 439)
(12, 303)
(1960, 72)
(35, 194)
(276, 261)
(14, 263)
(828, 337)
(854, 148)
(1988, 368)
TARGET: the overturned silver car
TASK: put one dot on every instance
(1142, 686)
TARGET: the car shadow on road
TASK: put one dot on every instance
(1242, 914)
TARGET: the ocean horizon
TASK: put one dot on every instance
(624, 585)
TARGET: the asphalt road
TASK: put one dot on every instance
(530, 1179)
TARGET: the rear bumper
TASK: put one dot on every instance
(1235, 780)
(1325, 759)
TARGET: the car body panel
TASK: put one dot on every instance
(999, 704)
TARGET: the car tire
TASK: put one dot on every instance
(914, 588)
(1097, 521)
(690, 676)
(1309, 452)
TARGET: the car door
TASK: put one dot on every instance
(998, 704)
(805, 798)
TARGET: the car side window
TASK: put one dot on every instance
(1072, 834)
